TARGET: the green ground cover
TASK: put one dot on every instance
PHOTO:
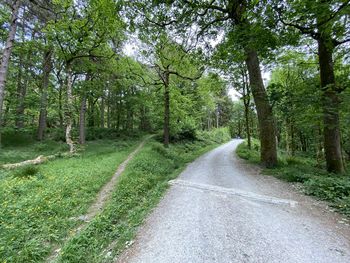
(309, 173)
(37, 203)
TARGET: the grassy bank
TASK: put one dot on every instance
(139, 189)
(38, 203)
(314, 179)
(21, 152)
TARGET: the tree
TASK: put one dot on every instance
(171, 59)
(47, 66)
(324, 22)
(80, 33)
(232, 16)
(7, 53)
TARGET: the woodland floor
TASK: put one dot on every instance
(82, 208)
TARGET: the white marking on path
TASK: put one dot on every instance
(235, 192)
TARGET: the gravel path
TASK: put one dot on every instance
(222, 210)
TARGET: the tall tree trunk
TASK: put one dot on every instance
(19, 89)
(287, 137)
(109, 109)
(265, 117)
(118, 109)
(246, 102)
(22, 92)
(166, 128)
(102, 116)
(47, 66)
(82, 135)
(217, 116)
(330, 100)
(69, 109)
(22, 88)
(292, 135)
(60, 107)
(6, 55)
(246, 115)
(82, 120)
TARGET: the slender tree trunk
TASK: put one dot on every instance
(166, 128)
(287, 137)
(109, 109)
(265, 116)
(82, 120)
(246, 115)
(217, 115)
(19, 87)
(119, 109)
(22, 88)
(69, 109)
(6, 55)
(330, 99)
(239, 128)
(102, 116)
(21, 94)
(47, 66)
(292, 135)
(60, 104)
(82, 131)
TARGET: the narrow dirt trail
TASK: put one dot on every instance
(222, 210)
(102, 197)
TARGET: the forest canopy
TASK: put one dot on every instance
(77, 70)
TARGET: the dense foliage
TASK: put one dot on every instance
(92, 76)
(69, 74)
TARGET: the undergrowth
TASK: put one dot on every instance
(314, 179)
(138, 190)
(39, 204)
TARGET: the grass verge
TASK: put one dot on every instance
(139, 189)
(315, 181)
(38, 204)
(22, 152)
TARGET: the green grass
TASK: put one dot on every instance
(314, 179)
(37, 203)
(138, 190)
(27, 151)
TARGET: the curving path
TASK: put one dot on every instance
(222, 210)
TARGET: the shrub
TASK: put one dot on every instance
(184, 131)
(26, 171)
(328, 188)
(15, 138)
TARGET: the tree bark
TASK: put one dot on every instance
(19, 86)
(47, 66)
(82, 139)
(102, 116)
(330, 100)
(265, 117)
(246, 102)
(22, 87)
(82, 135)
(109, 109)
(246, 115)
(166, 128)
(6, 55)
(60, 111)
(69, 109)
